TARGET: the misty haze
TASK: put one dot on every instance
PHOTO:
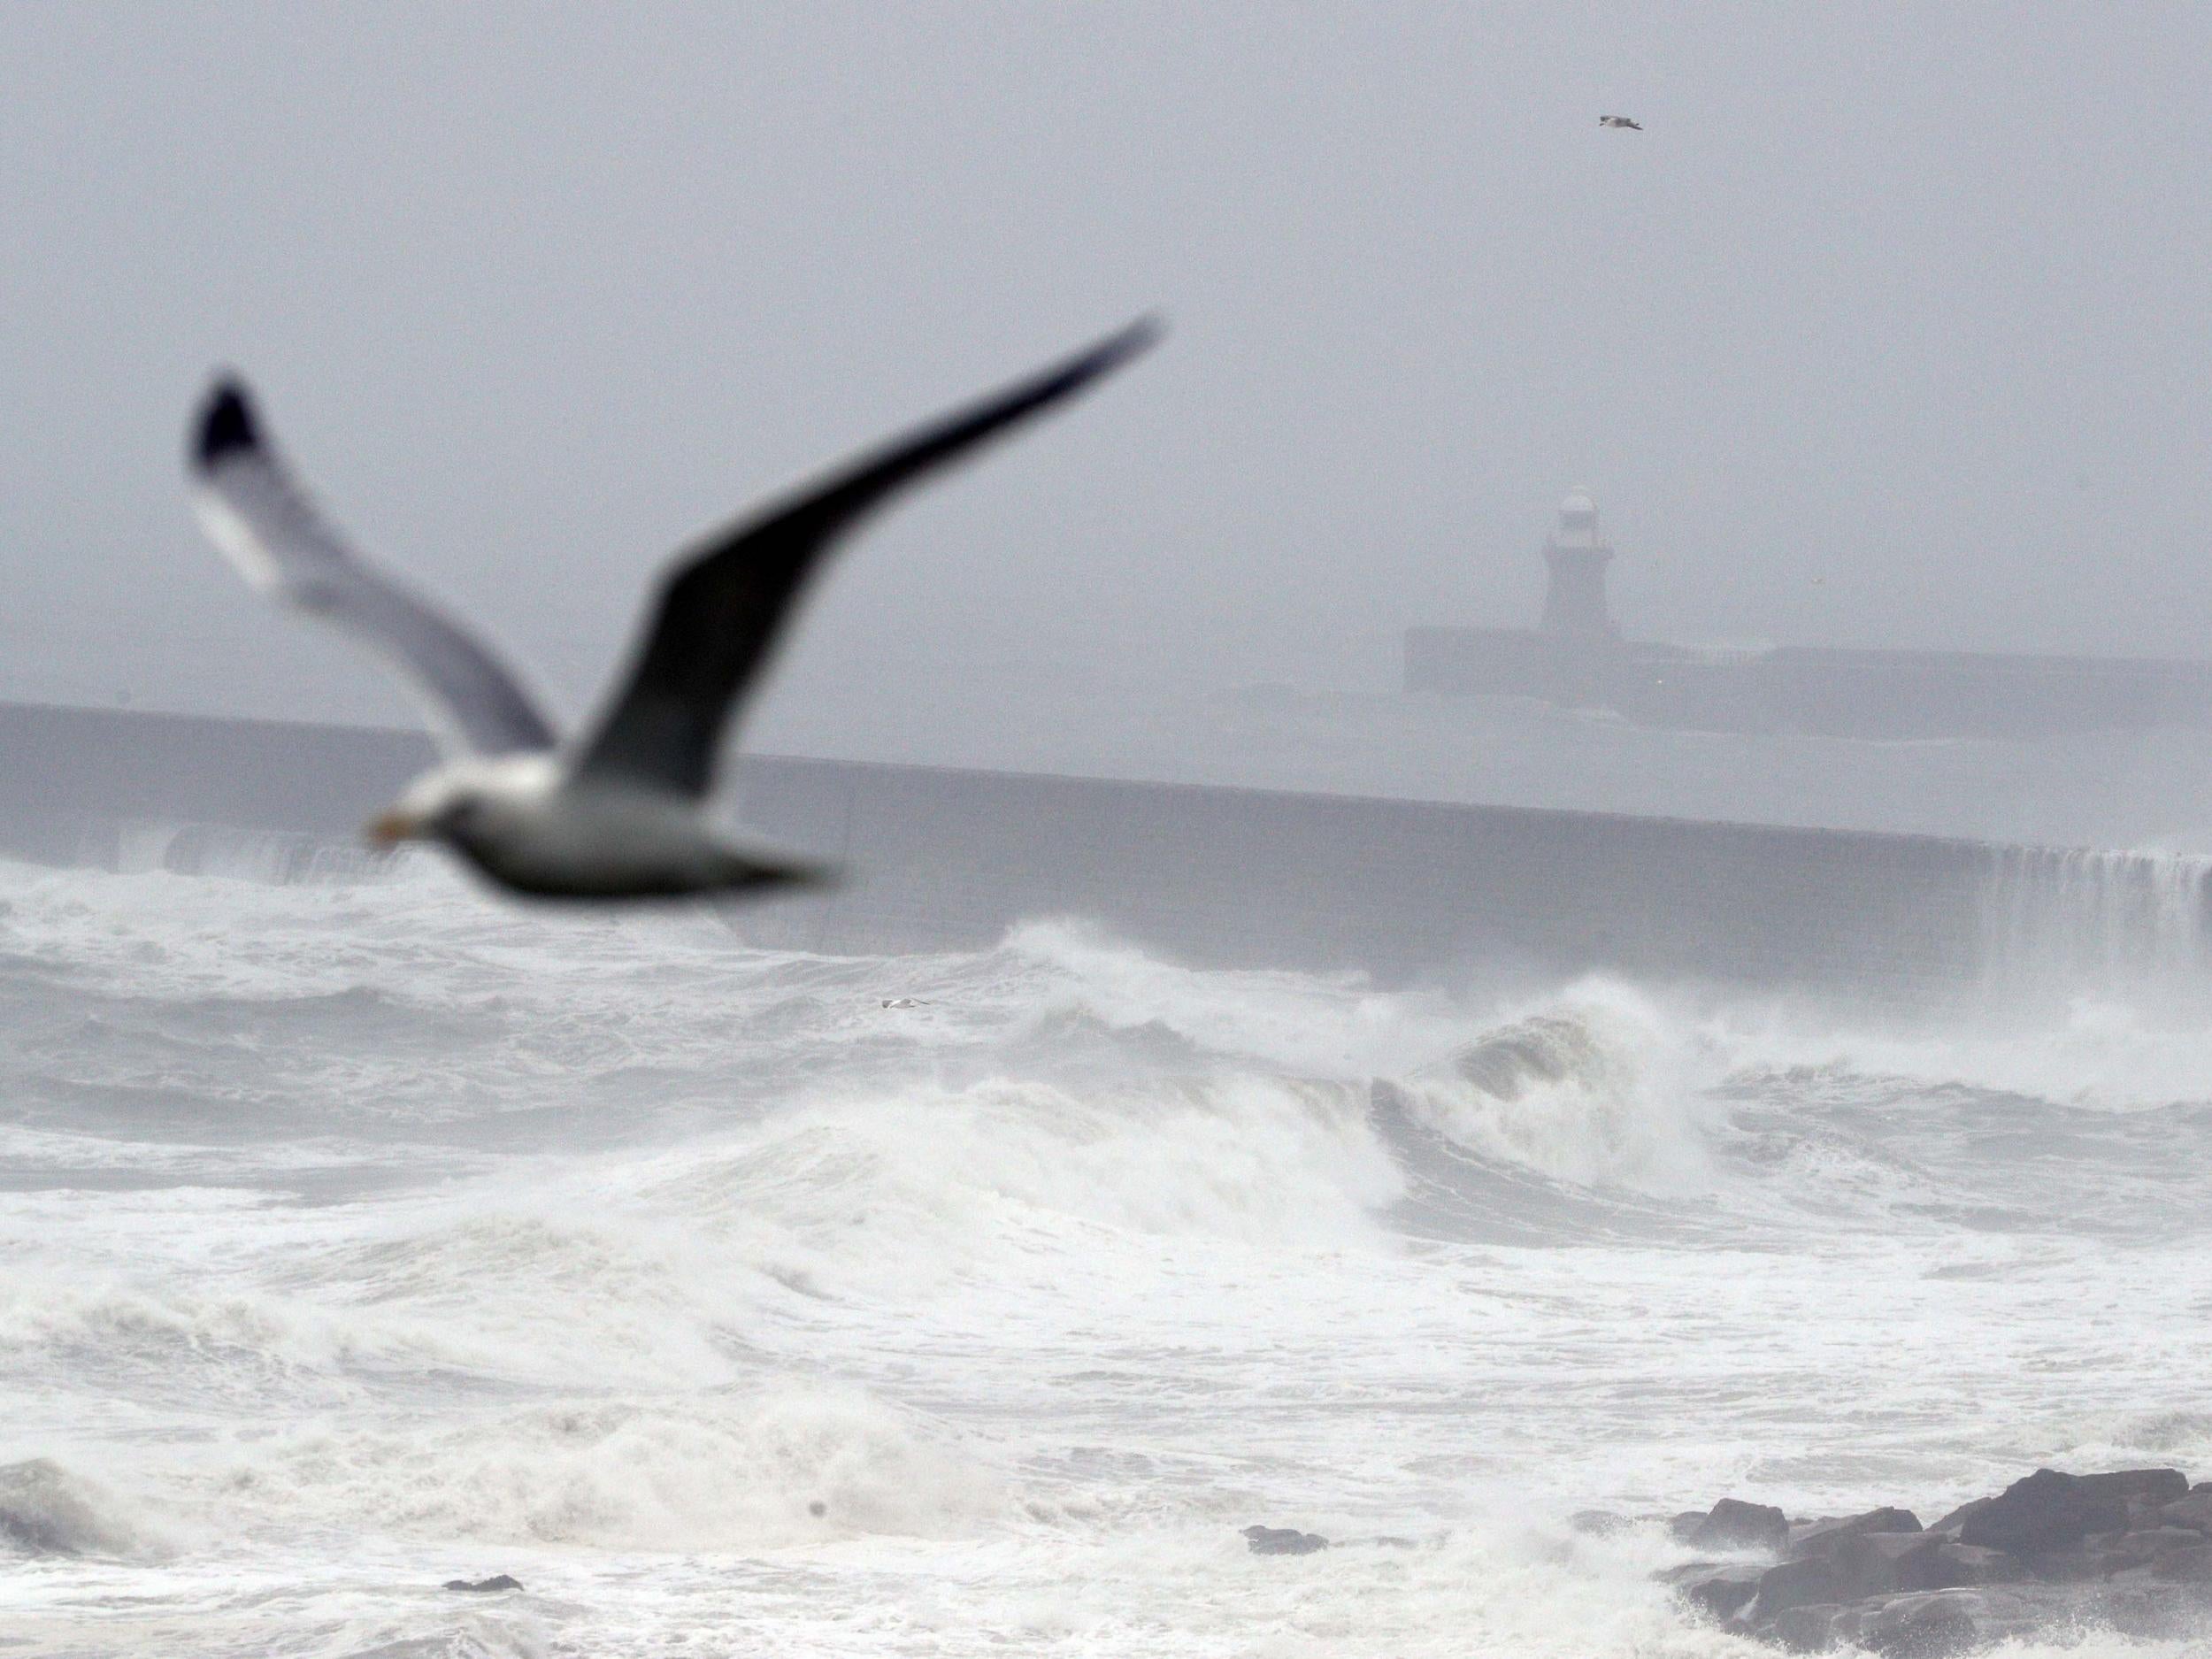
(1505, 954)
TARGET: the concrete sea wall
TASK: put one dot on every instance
(943, 859)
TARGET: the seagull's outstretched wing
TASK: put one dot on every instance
(723, 606)
(263, 522)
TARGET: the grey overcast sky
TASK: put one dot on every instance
(1912, 300)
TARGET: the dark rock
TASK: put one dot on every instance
(2078, 1565)
(2142, 1493)
(2155, 1488)
(2189, 1564)
(1933, 1626)
(1952, 1564)
(2049, 1511)
(2139, 1607)
(1867, 1565)
(1728, 1591)
(2038, 1515)
(2144, 1512)
(1682, 1524)
(483, 1585)
(2129, 1552)
(1954, 1522)
(1819, 1537)
(1884, 1563)
(2021, 1611)
(1809, 1629)
(1798, 1583)
(2195, 1511)
(1714, 1589)
(1282, 1540)
(1733, 1524)
(2104, 1554)
(2139, 1550)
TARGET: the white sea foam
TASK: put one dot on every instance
(794, 1462)
(360, 1238)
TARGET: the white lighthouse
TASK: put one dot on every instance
(1576, 555)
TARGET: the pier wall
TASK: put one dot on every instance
(944, 859)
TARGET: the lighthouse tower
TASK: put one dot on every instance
(1576, 554)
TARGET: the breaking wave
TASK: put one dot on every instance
(376, 1235)
(48, 1510)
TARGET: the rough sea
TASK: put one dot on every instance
(359, 1236)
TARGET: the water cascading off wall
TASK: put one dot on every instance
(135, 846)
(2086, 919)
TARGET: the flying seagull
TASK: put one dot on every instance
(1621, 120)
(620, 812)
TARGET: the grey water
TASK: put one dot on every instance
(360, 1234)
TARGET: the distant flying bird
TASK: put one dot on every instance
(619, 813)
(1620, 120)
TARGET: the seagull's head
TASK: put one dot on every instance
(468, 804)
(438, 807)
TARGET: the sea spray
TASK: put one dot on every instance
(1592, 1090)
(364, 1237)
(2071, 919)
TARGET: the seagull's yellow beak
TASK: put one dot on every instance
(390, 829)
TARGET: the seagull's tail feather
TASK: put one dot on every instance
(757, 874)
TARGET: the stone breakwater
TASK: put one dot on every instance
(1410, 892)
(2052, 1554)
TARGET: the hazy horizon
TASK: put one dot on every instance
(1905, 301)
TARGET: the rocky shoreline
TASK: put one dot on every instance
(2128, 1551)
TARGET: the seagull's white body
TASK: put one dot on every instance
(620, 813)
(530, 825)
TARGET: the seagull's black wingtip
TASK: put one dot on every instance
(226, 426)
(1128, 340)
